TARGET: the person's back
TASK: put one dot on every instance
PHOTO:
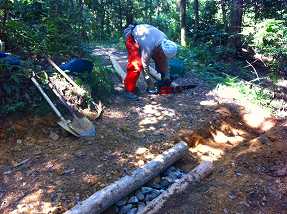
(148, 37)
(144, 42)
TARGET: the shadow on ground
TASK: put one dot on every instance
(44, 169)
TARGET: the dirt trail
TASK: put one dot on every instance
(58, 170)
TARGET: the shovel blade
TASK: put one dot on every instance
(65, 125)
(83, 127)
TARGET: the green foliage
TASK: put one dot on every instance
(210, 29)
(39, 31)
(255, 94)
(98, 82)
(268, 9)
(14, 87)
(36, 29)
(270, 39)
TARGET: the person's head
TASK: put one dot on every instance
(128, 30)
(169, 48)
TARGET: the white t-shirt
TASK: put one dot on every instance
(148, 37)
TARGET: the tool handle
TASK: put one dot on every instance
(62, 72)
(62, 99)
(47, 98)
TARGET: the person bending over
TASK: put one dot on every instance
(145, 42)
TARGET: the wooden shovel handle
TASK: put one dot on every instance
(62, 72)
(47, 98)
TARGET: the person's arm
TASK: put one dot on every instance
(145, 56)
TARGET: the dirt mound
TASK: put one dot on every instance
(251, 171)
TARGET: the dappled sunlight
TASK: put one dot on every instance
(158, 111)
(149, 156)
(153, 114)
(210, 102)
(231, 126)
(206, 152)
(149, 121)
(141, 151)
(225, 92)
(52, 165)
(114, 114)
(33, 201)
(142, 30)
(258, 119)
(227, 128)
(220, 137)
(143, 155)
(252, 115)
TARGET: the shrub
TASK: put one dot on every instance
(14, 88)
(270, 40)
(98, 81)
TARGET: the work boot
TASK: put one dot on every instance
(131, 96)
(137, 91)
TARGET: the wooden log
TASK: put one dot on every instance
(199, 172)
(154, 73)
(118, 67)
(109, 195)
(122, 73)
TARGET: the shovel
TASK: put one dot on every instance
(79, 127)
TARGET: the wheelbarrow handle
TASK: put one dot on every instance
(47, 98)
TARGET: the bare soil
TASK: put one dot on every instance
(251, 176)
(44, 169)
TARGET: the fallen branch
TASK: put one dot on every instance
(253, 68)
(201, 171)
(106, 197)
(22, 162)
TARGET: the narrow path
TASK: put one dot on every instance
(62, 170)
(59, 170)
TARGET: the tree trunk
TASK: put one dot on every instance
(196, 13)
(129, 17)
(182, 11)
(120, 24)
(224, 14)
(3, 35)
(236, 24)
(82, 20)
(102, 15)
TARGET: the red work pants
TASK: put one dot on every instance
(134, 66)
